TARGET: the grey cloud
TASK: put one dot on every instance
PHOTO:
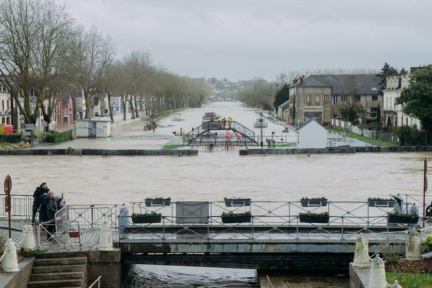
(240, 39)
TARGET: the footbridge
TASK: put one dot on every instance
(213, 132)
(289, 235)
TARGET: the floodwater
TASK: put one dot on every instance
(211, 176)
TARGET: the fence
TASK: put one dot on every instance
(21, 206)
(345, 125)
(267, 220)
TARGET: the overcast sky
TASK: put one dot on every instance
(242, 39)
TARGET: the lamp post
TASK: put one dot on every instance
(261, 129)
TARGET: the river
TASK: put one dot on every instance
(210, 176)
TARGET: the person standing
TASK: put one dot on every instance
(220, 122)
(52, 209)
(224, 122)
(229, 122)
(42, 189)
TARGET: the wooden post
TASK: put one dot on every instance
(425, 184)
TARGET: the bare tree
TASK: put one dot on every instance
(91, 55)
(31, 44)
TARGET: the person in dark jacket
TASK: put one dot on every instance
(52, 209)
(42, 205)
(42, 189)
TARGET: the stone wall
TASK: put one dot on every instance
(19, 279)
(106, 264)
(336, 150)
(99, 152)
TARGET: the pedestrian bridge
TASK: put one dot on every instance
(237, 232)
(213, 132)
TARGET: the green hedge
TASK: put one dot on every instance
(16, 138)
(58, 137)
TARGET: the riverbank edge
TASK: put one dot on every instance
(335, 150)
(98, 152)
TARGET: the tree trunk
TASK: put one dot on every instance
(124, 104)
(88, 106)
(110, 108)
(136, 107)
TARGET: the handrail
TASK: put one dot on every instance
(98, 281)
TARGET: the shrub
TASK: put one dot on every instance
(58, 137)
(16, 138)
(410, 136)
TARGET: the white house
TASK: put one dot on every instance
(311, 135)
(393, 113)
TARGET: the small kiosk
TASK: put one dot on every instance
(93, 128)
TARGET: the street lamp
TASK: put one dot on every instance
(261, 128)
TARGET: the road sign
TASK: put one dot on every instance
(7, 185)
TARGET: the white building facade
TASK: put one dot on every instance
(311, 135)
(393, 112)
(5, 106)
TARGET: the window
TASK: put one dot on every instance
(344, 98)
(3, 105)
(335, 99)
(374, 97)
(3, 120)
(357, 98)
(308, 98)
(317, 98)
(326, 98)
(7, 120)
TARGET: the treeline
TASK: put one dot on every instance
(268, 95)
(146, 87)
(44, 53)
(258, 93)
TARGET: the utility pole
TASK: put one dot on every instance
(261, 129)
(425, 186)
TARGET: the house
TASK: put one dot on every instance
(281, 111)
(311, 135)
(393, 114)
(5, 106)
(63, 113)
(321, 97)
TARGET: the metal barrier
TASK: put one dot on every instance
(97, 281)
(269, 220)
(22, 206)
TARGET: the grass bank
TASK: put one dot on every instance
(13, 146)
(363, 138)
(410, 280)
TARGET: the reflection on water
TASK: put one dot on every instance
(174, 276)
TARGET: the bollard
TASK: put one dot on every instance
(361, 254)
(395, 285)
(377, 273)
(10, 259)
(28, 242)
(125, 219)
(413, 247)
(105, 238)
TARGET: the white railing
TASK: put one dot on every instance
(21, 206)
(97, 281)
(266, 220)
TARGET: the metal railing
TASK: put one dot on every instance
(97, 281)
(268, 220)
(22, 206)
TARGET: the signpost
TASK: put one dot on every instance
(7, 190)
(425, 187)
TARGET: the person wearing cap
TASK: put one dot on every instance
(42, 189)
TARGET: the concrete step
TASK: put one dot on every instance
(57, 276)
(59, 269)
(55, 283)
(60, 261)
(51, 255)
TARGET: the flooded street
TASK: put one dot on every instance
(210, 177)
